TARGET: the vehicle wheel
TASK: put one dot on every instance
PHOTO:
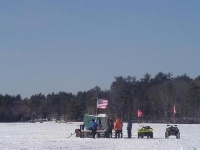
(106, 134)
(151, 135)
(178, 136)
(138, 135)
(166, 135)
(98, 135)
(81, 134)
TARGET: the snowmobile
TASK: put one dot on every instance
(145, 131)
(172, 130)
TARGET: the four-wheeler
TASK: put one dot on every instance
(172, 130)
(145, 131)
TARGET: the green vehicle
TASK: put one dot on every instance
(145, 131)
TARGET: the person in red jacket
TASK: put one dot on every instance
(117, 128)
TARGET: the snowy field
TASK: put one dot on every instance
(55, 136)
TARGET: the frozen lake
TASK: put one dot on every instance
(53, 136)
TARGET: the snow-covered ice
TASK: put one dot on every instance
(53, 136)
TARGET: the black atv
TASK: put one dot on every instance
(172, 130)
(145, 131)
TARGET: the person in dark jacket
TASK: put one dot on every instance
(129, 128)
(94, 128)
(110, 127)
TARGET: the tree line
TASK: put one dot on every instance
(154, 96)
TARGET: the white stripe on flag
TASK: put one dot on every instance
(102, 103)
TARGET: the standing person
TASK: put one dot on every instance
(94, 128)
(129, 128)
(118, 128)
(110, 127)
(121, 132)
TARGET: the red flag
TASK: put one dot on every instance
(139, 113)
(102, 103)
(174, 109)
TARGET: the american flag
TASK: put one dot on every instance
(102, 103)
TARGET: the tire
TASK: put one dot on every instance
(81, 134)
(178, 136)
(142, 136)
(151, 135)
(166, 135)
(106, 134)
(138, 135)
(98, 135)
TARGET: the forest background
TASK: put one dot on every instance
(154, 96)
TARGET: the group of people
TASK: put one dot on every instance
(117, 126)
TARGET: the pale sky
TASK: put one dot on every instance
(50, 46)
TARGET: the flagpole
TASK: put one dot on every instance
(174, 119)
(97, 108)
